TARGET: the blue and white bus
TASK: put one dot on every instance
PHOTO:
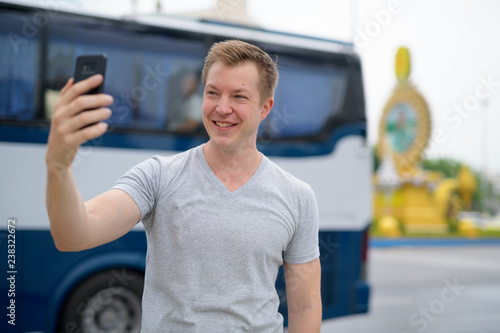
(316, 131)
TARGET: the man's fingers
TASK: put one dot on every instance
(68, 126)
(87, 102)
(90, 133)
(78, 138)
(80, 88)
(86, 118)
(67, 85)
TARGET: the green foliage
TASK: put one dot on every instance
(447, 166)
(452, 225)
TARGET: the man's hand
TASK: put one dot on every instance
(74, 224)
(67, 132)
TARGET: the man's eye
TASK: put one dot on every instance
(240, 97)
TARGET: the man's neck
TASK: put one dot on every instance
(233, 168)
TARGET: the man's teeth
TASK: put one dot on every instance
(223, 124)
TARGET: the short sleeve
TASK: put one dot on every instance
(303, 246)
(141, 183)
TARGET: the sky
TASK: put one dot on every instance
(454, 47)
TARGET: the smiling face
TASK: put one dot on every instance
(232, 106)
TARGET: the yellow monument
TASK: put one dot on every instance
(407, 197)
(466, 186)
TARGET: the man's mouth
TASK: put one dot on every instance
(221, 124)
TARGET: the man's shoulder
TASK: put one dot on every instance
(176, 158)
(165, 167)
(282, 177)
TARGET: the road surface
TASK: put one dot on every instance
(431, 290)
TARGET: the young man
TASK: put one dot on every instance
(220, 219)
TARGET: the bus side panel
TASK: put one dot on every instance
(344, 290)
(45, 276)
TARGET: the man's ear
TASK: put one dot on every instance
(266, 108)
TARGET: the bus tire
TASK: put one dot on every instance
(109, 301)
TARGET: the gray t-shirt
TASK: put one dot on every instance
(213, 255)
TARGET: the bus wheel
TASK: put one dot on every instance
(107, 302)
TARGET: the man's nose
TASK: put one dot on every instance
(224, 105)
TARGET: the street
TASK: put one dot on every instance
(430, 289)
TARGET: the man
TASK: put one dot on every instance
(220, 218)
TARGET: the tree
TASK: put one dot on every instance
(447, 166)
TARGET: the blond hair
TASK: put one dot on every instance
(235, 52)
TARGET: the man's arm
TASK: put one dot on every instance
(303, 293)
(76, 225)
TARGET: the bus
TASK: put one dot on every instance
(316, 131)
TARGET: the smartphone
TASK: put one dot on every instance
(88, 65)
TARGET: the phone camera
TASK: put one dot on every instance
(88, 68)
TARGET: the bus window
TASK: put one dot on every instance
(296, 114)
(141, 71)
(19, 69)
(185, 96)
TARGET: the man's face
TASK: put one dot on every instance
(232, 108)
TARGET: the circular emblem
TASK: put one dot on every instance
(404, 128)
(401, 127)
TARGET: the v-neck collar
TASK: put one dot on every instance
(219, 184)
